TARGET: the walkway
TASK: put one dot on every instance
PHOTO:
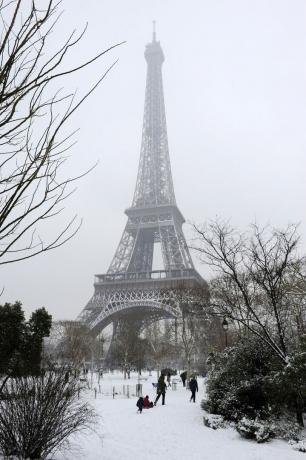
(174, 432)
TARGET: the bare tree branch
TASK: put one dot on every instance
(254, 278)
(33, 116)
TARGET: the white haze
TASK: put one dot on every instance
(235, 93)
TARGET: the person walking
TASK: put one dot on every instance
(169, 380)
(193, 386)
(184, 377)
(161, 390)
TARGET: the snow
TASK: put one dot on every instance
(174, 431)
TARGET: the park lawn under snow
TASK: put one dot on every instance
(174, 431)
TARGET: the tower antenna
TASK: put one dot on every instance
(154, 31)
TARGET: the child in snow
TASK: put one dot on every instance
(140, 404)
(147, 403)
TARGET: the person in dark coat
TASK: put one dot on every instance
(140, 404)
(193, 386)
(184, 377)
(161, 389)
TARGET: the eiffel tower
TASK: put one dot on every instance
(131, 290)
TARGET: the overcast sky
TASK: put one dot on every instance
(235, 94)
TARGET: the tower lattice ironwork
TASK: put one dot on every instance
(131, 288)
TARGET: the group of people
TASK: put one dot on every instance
(193, 384)
(144, 403)
(161, 387)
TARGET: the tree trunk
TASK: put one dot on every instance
(299, 411)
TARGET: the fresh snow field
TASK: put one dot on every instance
(173, 432)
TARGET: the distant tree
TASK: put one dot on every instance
(12, 328)
(37, 328)
(33, 118)
(296, 287)
(129, 349)
(21, 342)
(73, 343)
(161, 349)
(188, 327)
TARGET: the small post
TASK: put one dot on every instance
(91, 369)
(95, 390)
(138, 389)
(128, 391)
(113, 392)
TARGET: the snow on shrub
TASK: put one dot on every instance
(299, 445)
(254, 429)
(287, 429)
(237, 386)
(38, 414)
(213, 421)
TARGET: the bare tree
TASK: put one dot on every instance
(34, 111)
(72, 343)
(162, 348)
(188, 328)
(128, 349)
(297, 291)
(253, 285)
(39, 414)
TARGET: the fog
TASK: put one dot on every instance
(235, 94)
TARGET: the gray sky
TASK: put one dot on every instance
(235, 93)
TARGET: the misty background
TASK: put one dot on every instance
(235, 94)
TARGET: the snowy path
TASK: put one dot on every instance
(174, 431)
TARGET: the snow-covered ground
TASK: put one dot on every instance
(174, 431)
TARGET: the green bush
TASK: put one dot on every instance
(237, 384)
(248, 385)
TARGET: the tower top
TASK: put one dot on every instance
(154, 185)
(154, 52)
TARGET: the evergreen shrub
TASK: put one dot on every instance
(249, 386)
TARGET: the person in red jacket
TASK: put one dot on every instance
(147, 403)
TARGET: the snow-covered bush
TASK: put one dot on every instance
(298, 445)
(246, 380)
(289, 384)
(286, 428)
(213, 421)
(237, 384)
(254, 429)
(39, 413)
(250, 387)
